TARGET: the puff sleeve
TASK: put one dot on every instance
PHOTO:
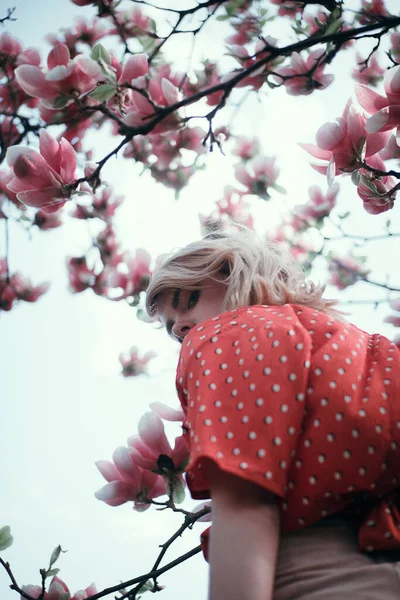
(242, 380)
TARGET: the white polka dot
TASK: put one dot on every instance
(284, 408)
(202, 408)
(259, 401)
(218, 351)
(207, 422)
(268, 420)
(276, 387)
(252, 435)
(229, 435)
(261, 453)
(267, 371)
(243, 465)
(245, 419)
(234, 393)
(240, 405)
(236, 451)
(212, 386)
(283, 359)
(268, 475)
(277, 441)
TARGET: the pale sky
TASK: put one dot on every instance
(64, 404)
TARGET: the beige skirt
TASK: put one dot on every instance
(323, 563)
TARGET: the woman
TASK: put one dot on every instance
(292, 419)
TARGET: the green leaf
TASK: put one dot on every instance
(222, 18)
(178, 491)
(6, 539)
(344, 215)
(100, 54)
(355, 177)
(60, 102)
(55, 555)
(334, 27)
(103, 92)
(52, 572)
(388, 223)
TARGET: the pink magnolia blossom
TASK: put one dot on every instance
(288, 8)
(346, 270)
(371, 74)
(128, 482)
(136, 276)
(378, 195)
(258, 175)
(370, 9)
(246, 29)
(316, 21)
(80, 275)
(102, 204)
(64, 78)
(133, 364)
(134, 22)
(47, 221)
(246, 148)
(316, 209)
(394, 319)
(58, 590)
(40, 179)
(345, 142)
(304, 76)
(151, 449)
(385, 111)
(24, 289)
(83, 31)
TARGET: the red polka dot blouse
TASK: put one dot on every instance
(304, 405)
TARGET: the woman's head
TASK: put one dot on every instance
(243, 269)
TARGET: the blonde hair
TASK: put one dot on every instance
(255, 271)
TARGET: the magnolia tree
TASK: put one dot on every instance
(112, 73)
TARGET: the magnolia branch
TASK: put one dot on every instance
(190, 519)
(270, 53)
(9, 16)
(14, 585)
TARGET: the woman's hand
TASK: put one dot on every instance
(244, 538)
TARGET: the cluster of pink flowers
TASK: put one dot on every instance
(58, 590)
(302, 77)
(14, 287)
(133, 364)
(316, 209)
(368, 74)
(346, 270)
(146, 469)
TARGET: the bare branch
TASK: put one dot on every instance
(9, 16)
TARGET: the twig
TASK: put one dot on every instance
(14, 585)
(9, 15)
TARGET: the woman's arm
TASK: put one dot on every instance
(244, 538)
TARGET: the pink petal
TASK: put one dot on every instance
(33, 82)
(135, 66)
(151, 432)
(47, 199)
(392, 81)
(316, 152)
(386, 119)
(166, 412)
(330, 135)
(115, 493)
(67, 161)
(369, 100)
(49, 148)
(58, 56)
(125, 465)
(108, 470)
(171, 93)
